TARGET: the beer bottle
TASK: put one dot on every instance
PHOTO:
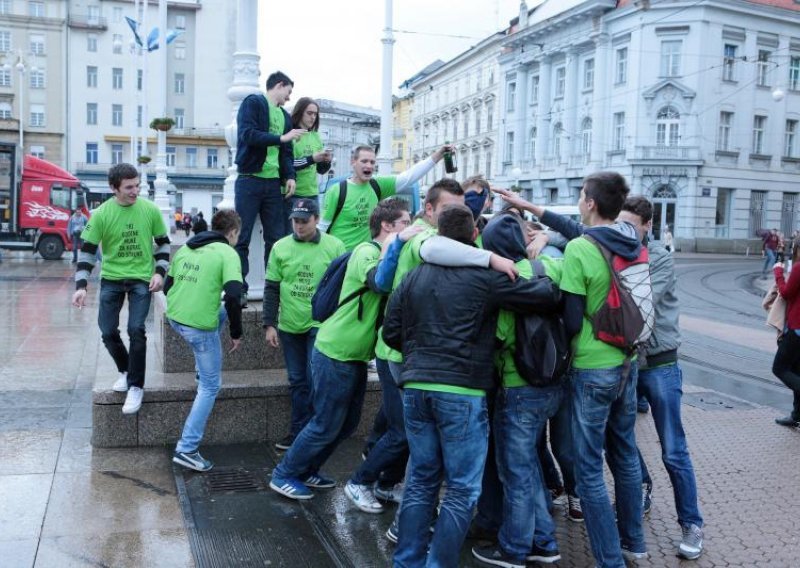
(449, 162)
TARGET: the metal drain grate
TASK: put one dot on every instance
(237, 480)
(715, 401)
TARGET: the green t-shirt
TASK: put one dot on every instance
(126, 235)
(199, 276)
(344, 336)
(307, 145)
(352, 224)
(277, 124)
(299, 267)
(586, 272)
(408, 260)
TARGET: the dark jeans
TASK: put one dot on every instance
(297, 349)
(338, 395)
(390, 452)
(77, 243)
(561, 441)
(112, 296)
(258, 197)
(490, 502)
(786, 366)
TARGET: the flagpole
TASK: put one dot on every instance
(161, 182)
(134, 57)
(144, 187)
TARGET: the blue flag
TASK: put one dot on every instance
(135, 29)
(152, 38)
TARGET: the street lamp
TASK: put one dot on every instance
(20, 66)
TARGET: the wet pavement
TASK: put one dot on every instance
(65, 503)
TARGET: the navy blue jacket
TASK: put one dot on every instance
(253, 137)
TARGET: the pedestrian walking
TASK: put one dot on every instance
(199, 225)
(136, 258)
(769, 250)
(75, 225)
(786, 365)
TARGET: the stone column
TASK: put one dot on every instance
(602, 83)
(571, 88)
(520, 116)
(543, 110)
(245, 82)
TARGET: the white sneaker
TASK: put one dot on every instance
(121, 384)
(133, 402)
(362, 497)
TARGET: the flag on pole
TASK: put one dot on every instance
(152, 38)
(135, 29)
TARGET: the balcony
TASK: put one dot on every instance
(86, 22)
(668, 153)
(197, 132)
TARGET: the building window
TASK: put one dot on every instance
(621, 66)
(37, 79)
(5, 41)
(488, 170)
(794, 73)
(180, 83)
(139, 79)
(557, 132)
(724, 137)
(91, 152)
(511, 95)
(588, 74)
(758, 210)
(790, 139)
(191, 157)
(91, 113)
(619, 131)
(465, 163)
(180, 50)
(729, 62)
(91, 76)
(489, 116)
(5, 77)
(94, 14)
(455, 127)
(179, 118)
(759, 124)
(5, 111)
(116, 115)
(91, 42)
(762, 69)
(171, 151)
(532, 139)
(477, 79)
(671, 58)
(466, 123)
(211, 158)
(37, 152)
(668, 123)
(586, 136)
(116, 14)
(534, 89)
(561, 81)
(116, 153)
(5, 6)
(37, 44)
(509, 147)
(116, 78)
(116, 43)
(37, 115)
(180, 22)
(36, 9)
(139, 113)
(477, 120)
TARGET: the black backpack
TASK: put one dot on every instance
(325, 300)
(343, 196)
(542, 351)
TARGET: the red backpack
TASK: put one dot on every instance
(627, 317)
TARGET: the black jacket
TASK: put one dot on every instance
(253, 137)
(444, 321)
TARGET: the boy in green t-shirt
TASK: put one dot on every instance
(205, 267)
(126, 227)
(345, 343)
(296, 265)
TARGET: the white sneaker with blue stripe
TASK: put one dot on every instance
(192, 460)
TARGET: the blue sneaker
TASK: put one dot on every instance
(192, 460)
(319, 481)
(290, 487)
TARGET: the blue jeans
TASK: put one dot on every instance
(561, 440)
(520, 417)
(390, 452)
(112, 296)
(258, 197)
(604, 415)
(338, 396)
(77, 243)
(663, 388)
(297, 349)
(207, 348)
(770, 257)
(448, 435)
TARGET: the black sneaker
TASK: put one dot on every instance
(495, 556)
(192, 460)
(789, 421)
(542, 556)
(284, 443)
(647, 498)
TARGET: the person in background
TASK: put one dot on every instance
(786, 365)
(200, 225)
(187, 223)
(75, 225)
(178, 220)
(667, 240)
(769, 249)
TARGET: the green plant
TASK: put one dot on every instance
(144, 159)
(164, 123)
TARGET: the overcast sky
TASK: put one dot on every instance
(332, 49)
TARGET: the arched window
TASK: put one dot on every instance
(558, 131)
(532, 139)
(465, 113)
(586, 136)
(668, 124)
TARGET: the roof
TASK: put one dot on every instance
(35, 169)
(785, 4)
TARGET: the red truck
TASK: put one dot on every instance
(35, 204)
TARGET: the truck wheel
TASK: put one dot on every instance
(51, 247)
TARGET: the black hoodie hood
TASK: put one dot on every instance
(503, 236)
(619, 238)
(206, 238)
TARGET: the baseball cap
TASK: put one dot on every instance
(304, 208)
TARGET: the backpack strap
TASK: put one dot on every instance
(359, 293)
(373, 183)
(339, 203)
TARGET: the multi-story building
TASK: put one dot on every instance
(697, 103)
(402, 132)
(113, 94)
(33, 77)
(456, 102)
